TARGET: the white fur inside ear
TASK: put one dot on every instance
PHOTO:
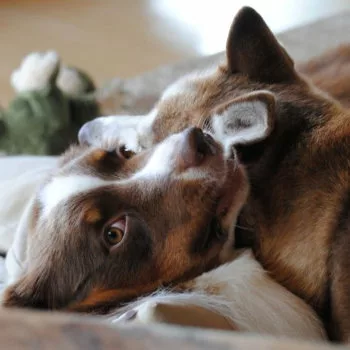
(242, 122)
(35, 71)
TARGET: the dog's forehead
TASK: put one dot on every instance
(193, 91)
(189, 85)
(190, 101)
(140, 132)
(187, 102)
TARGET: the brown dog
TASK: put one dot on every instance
(107, 227)
(299, 207)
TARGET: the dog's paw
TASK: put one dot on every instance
(35, 71)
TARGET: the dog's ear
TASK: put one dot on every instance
(40, 287)
(27, 292)
(244, 120)
(253, 50)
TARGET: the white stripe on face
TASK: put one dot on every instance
(162, 162)
(63, 187)
(160, 165)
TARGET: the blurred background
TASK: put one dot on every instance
(123, 38)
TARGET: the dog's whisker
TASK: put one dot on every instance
(244, 228)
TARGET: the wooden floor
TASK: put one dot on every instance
(126, 37)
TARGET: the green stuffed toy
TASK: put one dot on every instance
(51, 105)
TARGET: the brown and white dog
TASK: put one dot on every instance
(299, 206)
(110, 226)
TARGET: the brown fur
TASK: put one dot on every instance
(93, 215)
(300, 179)
(300, 175)
(169, 237)
(284, 220)
(331, 73)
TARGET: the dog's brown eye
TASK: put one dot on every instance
(114, 235)
(126, 153)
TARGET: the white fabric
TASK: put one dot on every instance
(20, 176)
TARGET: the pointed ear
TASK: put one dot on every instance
(253, 50)
(23, 294)
(244, 120)
(35, 289)
(40, 289)
(40, 283)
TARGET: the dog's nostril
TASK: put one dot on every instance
(196, 147)
(203, 143)
(207, 145)
(200, 142)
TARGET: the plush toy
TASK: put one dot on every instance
(52, 103)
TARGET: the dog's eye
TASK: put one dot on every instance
(114, 235)
(126, 153)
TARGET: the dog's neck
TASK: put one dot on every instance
(298, 185)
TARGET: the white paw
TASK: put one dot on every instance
(35, 71)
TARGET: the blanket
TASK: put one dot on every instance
(19, 180)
